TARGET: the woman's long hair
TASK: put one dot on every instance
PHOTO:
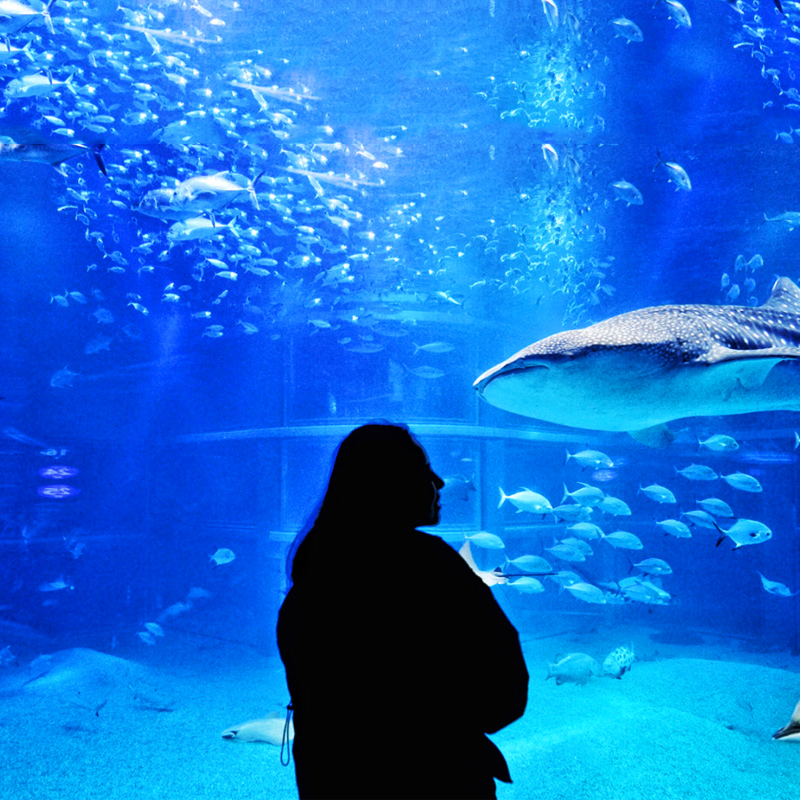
(378, 472)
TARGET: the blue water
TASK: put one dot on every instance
(209, 421)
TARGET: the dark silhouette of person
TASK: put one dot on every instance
(398, 658)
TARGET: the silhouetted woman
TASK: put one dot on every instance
(398, 658)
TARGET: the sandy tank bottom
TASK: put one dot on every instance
(688, 721)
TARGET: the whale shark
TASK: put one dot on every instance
(639, 370)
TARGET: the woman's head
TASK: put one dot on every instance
(381, 481)
(382, 474)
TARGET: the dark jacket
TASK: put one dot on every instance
(398, 660)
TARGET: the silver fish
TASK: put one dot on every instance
(53, 153)
(639, 370)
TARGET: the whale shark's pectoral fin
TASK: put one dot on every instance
(792, 729)
(656, 437)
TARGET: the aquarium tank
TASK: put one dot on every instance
(233, 231)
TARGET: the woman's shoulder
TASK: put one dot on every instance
(434, 547)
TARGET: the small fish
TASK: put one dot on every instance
(97, 344)
(586, 592)
(573, 668)
(679, 13)
(222, 556)
(590, 458)
(677, 174)
(790, 731)
(623, 540)
(697, 472)
(195, 228)
(103, 316)
(57, 585)
(675, 528)
(614, 506)
(618, 662)
(701, 518)
(428, 373)
(716, 506)
(573, 512)
(773, 587)
(658, 493)
(627, 29)
(527, 585)
(526, 500)
(146, 637)
(268, 729)
(586, 530)
(490, 541)
(743, 482)
(581, 545)
(627, 192)
(719, 443)
(154, 628)
(644, 591)
(653, 566)
(63, 378)
(551, 13)
(534, 564)
(566, 552)
(550, 157)
(587, 495)
(434, 347)
(745, 531)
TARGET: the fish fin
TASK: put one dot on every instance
(96, 152)
(656, 437)
(784, 296)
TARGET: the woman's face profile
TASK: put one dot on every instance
(431, 483)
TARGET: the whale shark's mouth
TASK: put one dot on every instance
(518, 368)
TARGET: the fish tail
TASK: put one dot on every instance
(569, 456)
(252, 190)
(47, 18)
(503, 497)
(566, 495)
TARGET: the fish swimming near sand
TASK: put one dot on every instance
(618, 662)
(791, 730)
(267, 729)
(639, 370)
(573, 668)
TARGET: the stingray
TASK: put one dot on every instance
(88, 679)
(637, 371)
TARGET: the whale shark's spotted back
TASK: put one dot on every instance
(585, 369)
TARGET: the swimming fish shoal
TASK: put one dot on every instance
(639, 370)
